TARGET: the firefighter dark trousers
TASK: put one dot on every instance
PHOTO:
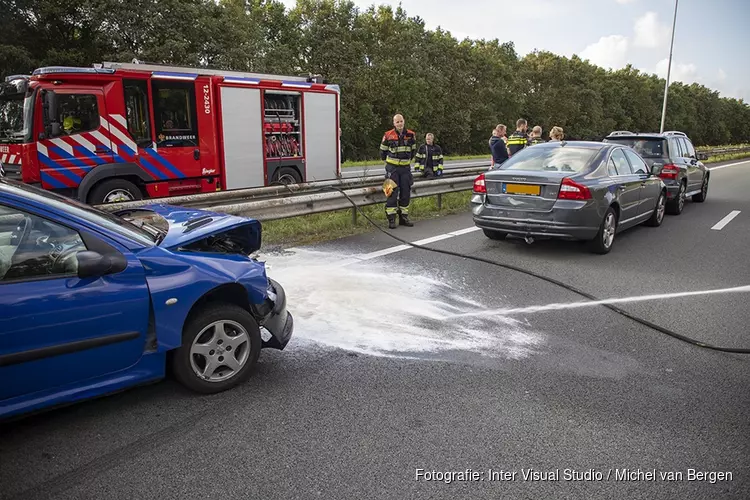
(398, 201)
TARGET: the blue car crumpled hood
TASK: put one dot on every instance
(190, 225)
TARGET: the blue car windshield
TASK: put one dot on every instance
(88, 213)
(551, 159)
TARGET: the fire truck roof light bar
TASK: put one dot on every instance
(234, 79)
(54, 70)
(296, 84)
(166, 75)
(199, 71)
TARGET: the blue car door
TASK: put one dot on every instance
(59, 331)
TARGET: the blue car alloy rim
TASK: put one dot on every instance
(220, 351)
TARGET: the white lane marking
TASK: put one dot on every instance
(401, 248)
(575, 305)
(730, 165)
(465, 231)
(381, 253)
(726, 220)
(433, 239)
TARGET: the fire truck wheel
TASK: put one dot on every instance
(288, 175)
(113, 191)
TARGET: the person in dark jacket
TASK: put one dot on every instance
(518, 140)
(429, 158)
(498, 147)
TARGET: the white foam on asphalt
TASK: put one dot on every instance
(369, 307)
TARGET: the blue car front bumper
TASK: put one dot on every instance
(279, 322)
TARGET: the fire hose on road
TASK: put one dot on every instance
(566, 286)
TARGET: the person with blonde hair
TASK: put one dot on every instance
(556, 134)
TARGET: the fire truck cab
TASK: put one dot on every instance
(128, 131)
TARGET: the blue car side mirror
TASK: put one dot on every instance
(94, 265)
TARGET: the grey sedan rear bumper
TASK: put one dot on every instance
(573, 220)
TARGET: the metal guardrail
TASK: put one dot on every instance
(723, 151)
(276, 196)
(327, 201)
(293, 200)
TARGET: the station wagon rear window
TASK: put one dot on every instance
(647, 148)
(562, 159)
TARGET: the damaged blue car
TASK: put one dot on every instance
(93, 302)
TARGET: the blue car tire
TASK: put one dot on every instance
(220, 347)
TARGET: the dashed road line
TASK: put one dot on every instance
(726, 220)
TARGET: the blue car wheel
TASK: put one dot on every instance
(220, 347)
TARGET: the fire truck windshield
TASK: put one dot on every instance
(15, 119)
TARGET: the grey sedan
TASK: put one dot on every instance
(571, 190)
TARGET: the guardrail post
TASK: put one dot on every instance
(354, 216)
(440, 202)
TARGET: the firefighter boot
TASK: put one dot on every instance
(392, 221)
(403, 220)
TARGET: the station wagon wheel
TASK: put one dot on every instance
(605, 238)
(701, 197)
(675, 206)
(220, 346)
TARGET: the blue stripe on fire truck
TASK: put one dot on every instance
(69, 157)
(58, 168)
(48, 179)
(90, 155)
(160, 159)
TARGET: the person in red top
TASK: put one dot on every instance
(397, 149)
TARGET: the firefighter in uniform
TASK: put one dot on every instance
(397, 149)
(518, 140)
(429, 158)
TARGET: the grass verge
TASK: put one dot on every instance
(309, 229)
(727, 157)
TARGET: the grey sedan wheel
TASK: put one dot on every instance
(605, 238)
(220, 346)
(658, 216)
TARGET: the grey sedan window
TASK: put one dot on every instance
(639, 166)
(611, 168)
(621, 163)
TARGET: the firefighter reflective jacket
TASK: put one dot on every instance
(430, 156)
(516, 142)
(398, 149)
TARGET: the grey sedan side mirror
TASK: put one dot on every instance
(656, 169)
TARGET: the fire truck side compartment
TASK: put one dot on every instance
(321, 136)
(243, 137)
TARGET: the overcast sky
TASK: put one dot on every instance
(712, 39)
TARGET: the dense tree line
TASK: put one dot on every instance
(384, 61)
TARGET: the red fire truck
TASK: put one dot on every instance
(128, 131)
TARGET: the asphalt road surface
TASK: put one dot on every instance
(389, 373)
